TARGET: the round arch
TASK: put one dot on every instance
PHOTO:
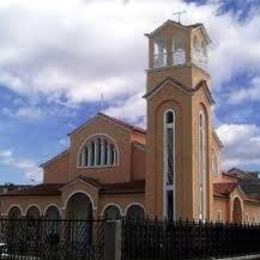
(33, 211)
(79, 206)
(13, 206)
(15, 212)
(79, 191)
(112, 204)
(99, 135)
(138, 206)
(51, 205)
(52, 211)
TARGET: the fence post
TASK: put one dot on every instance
(118, 239)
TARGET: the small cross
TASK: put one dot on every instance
(179, 15)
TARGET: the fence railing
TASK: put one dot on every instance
(154, 239)
(126, 239)
(52, 239)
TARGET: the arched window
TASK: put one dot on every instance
(202, 165)
(160, 54)
(79, 206)
(33, 213)
(135, 211)
(169, 164)
(52, 213)
(178, 51)
(112, 213)
(15, 213)
(214, 164)
(98, 152)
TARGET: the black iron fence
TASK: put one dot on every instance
(53, 239)
(126, 239)
(167, 240)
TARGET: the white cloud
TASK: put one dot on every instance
(28, 113)
(76, 48)
(133, 110)
(242, 145)
(30, 170)
(248, 93)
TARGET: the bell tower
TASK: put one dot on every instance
(179, 131)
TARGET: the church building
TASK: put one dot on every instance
(172, 169)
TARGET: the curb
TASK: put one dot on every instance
(238, 257)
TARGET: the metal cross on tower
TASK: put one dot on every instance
(178, 14)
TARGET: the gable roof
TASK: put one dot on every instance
(252, 189)
(243, 181)
(88, 180)
(182, 26)
(111, 119)
(190, 91)
(215, 135)
(54, 189)
(224, 189)
(60, 155)
(203, 84)
(240, 174)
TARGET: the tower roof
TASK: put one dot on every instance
(185, 27)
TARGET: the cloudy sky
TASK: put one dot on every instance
(58, 56)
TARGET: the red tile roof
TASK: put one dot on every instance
(38, 190)
(224, 189)
(122, 188)
(55, 189)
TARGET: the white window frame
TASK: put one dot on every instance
(202, 167)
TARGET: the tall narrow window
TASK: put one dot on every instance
(86, 156)
(202, 166)
(98, 151)
(92, 146)
(112, 154)
(169, 164)
(106, 152)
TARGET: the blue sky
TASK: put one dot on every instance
(57, 57)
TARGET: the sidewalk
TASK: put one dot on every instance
(239, 257)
